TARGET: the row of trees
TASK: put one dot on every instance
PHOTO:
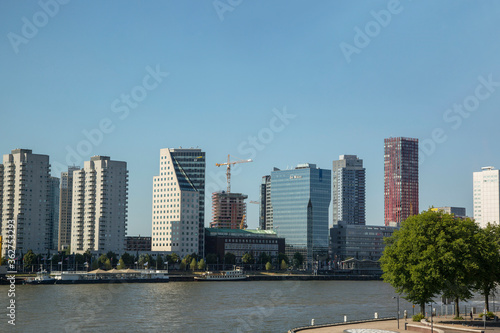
(437, 254)
(263, 260)
(193, 262)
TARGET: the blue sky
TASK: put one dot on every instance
(234, 66)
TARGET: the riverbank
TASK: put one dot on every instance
(176, 276)
(440, 324)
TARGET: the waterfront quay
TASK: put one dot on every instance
(441, 324)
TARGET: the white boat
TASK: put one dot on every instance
(42, 277)
(234, 275)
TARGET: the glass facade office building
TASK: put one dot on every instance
(300, 199)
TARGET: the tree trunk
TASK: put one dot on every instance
(486, 301)
(457, 308)
(422, 308)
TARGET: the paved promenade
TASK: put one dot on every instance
(391, 325)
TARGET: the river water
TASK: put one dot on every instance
(245, 306)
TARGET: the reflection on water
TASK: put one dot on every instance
(247, 306)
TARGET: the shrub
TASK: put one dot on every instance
(418, 317)
(489, 315)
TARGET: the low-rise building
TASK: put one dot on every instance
(137, 243)
(361, 242)
(457, 211)
(241, 241)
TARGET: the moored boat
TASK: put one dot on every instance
(234, 275)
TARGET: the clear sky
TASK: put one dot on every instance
(281, 82)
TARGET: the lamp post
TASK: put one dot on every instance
(432, 322)
(397, 309)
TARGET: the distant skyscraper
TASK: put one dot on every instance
(400, 179)
(25, 200)
(228, 210)
(348, 190)
(53, 201)
(265, 209)
(301, 198)
(99, 207)
(65, 205)
(179, 202)
(486, 196)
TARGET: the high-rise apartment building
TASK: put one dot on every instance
(348, 194)
(301, 198)
(99, 206)
(179, 202)
(486, 196)
(24, 192)
(265, 207)
(65, 206)
(400, 179)
(228, 210)
(53, 202)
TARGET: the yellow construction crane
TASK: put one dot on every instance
(242, 224)
(228, 172)
(255, 202)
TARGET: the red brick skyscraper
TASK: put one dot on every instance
(400, 179)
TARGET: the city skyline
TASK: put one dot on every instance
(281, 92)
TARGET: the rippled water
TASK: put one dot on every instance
(246, 306)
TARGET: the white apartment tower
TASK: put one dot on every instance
(178, 202)
(24, 194)
(99, 206)
(486, 196)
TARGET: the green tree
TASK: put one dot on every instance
(102, 261)
(263, 258)
(128, 260)
(298, 259)
(113, 257)
(107, 264)
(145, 261)
(284, 266)
(281, 257)
(175, 258)
(183, 265)
(211, 259)
(201, 265)
(193, 265)
(430, 254)
(248, 259)
(29, 259)
(95, 264)
(457, 246)
(121, 264)
(79, 260)
(229, 258)
(87, 256)
(269, 266)
(488, 259)
(160, 262)
(56, 258)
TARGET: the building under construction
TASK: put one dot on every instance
(228, 210)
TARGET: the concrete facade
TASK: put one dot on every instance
(65, 206)
(99, 206)
(486, 187)
(178, 202)
(24, 201)
(228, 210)
(348, 190)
